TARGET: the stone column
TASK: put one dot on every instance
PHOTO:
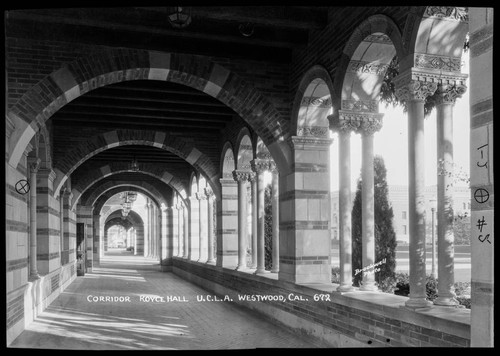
(175, 230)
(227, 223)
(259, 166)
(180, 230)
(147, 229)
(345, 123)
(202, 199)
(167, 237)
(413, 88)
(194, 228)
(255, 218)
(185, 225)
(370, 124)
(210, 228)
(276, 217)
(96, 249)
(445, 192)
(242, 178)
(34, 165)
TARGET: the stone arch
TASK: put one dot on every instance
(365, 59)
(116, 65)
(100, 173)
(116, 138)
(228, 161)
(105, 191)
(313, 103)
(244, 149)
(433, 38)
(136, 221)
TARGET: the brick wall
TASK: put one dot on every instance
(361, 322)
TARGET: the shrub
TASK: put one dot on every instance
(336, 275)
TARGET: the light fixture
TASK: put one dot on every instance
(246, 29)
(179, 17)
(134, 166)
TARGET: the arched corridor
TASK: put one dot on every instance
(128, 304)
(148, 148)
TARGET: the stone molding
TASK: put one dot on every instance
(367, 67)
(448, 94)
(323, 102)
(260, 165)
(34, 164)
(427, 61)
(48, 173)
(448, 13)
(414, 89)
(312, 131)
(360, 105)
(227, 181)
(297, 141)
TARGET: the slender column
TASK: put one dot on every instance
(227, 223)
(242, 178)
(259, 166)
(344, 126)
(185, 225)
(445, 236)
(210, 221)
(174, 229)
(202, 198)
(180, 244)
(34, 164)
(194, 228)
(253, 183)
(146, 229)
(414, 92)
(369, 126)
(275, 225)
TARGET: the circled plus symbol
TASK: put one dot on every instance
(481, 195)
(23, 186)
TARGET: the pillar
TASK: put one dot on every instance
(370, 124)
(34, 165)
(227, 225)
(96, 218)
(175, 230)
(194, 228)
(344, 128)
(210, 228)
(255, 218)
(147, 229)
(275, 264)
(305, 210)
(482, 176)
(413, 88)
(445, 192)
(185, 226)
(167, 237)
(259, 166)
(242, 178)
(202, 201)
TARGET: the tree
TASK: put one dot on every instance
(385, 237)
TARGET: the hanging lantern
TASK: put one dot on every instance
(179, 17)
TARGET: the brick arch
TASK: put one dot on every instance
(104, 191)
(117, 65)
(433, 38)
(97, 174)
(244, 149)
(353, 89)
(228, 161)
(312, 103)
(111, 139)
(125, 223)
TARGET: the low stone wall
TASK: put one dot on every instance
(355, 319)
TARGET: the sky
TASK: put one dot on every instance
(391, 142)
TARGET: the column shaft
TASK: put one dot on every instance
(445, 236)
(33, 248)
(210, 228)
(242, 223)
(416, 204)
(368, 213)
(345, 207)
(203, 227)
(261, 248)
(276, 230)
(185, 223)
(254, 223)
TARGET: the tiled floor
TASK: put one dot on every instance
(74, 321)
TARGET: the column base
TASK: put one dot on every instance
(446, 301)
(369, 287)
(275, 270)
(241, 268)
(345, 288)
(415, 303)
(33, 277)
(261, 271)
(211, 261)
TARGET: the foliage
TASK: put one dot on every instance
(385, 237)
(336, 275)
(461, 230)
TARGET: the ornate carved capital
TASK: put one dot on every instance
(363, 122)
(260, 165)
(241, 176)
(360, 105)
(200, 196)
(209, 192)
(370, 125)
(34, 164)
(416, 90)
(297, 142)
(273, 167)
(448, 13)
(448, 94)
